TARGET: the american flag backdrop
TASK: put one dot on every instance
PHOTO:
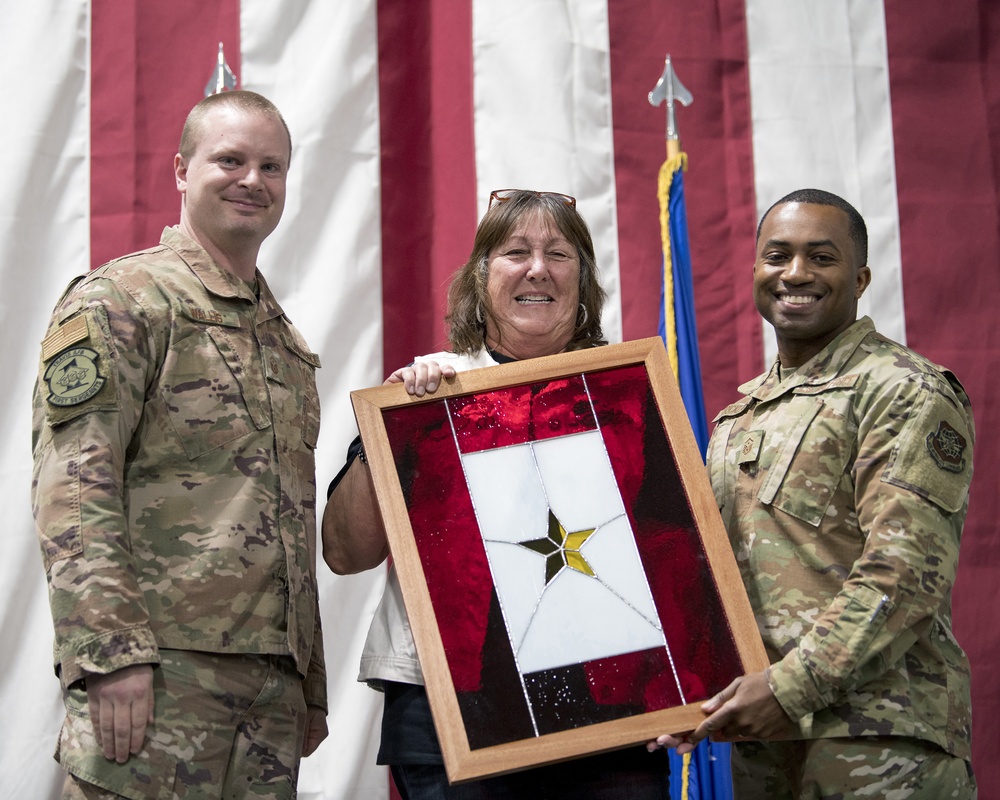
(405, 114)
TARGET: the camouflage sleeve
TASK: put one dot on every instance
(911, 479)
(314, 686)
(87, 405)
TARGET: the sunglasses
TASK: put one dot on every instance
(503, 195)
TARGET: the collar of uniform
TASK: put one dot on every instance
(217, 280)
(817, 371)
(267, 305)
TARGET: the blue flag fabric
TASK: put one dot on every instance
(677, 306)
(704, 774)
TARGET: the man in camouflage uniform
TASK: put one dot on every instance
(842, 477)
(175, 421)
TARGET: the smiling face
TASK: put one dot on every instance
(233, 184)
(806, 279)
(534, 290)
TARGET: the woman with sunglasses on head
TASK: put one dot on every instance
(529, 288)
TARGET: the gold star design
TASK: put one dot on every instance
(561, 549)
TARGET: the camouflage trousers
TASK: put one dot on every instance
(849, 769)
(225, 726)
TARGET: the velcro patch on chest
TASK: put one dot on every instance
(749, 449)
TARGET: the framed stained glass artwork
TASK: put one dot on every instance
(568, 580)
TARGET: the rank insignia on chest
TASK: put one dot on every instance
(749, 447)
(947, 447)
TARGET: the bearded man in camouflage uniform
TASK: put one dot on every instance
(175, 421)
(842, 477)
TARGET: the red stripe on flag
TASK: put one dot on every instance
(150, 63)
(944, 73)
(428, 168)
(715, 132)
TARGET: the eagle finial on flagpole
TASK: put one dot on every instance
(670, 89)
(222, 79)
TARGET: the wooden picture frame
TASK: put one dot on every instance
(536, 632)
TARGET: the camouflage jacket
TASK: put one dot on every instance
(844, 487)
(175, 422)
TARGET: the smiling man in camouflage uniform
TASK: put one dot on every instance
(175, 421)
(842, 477)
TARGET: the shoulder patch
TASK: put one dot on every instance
(73, 376)
(65, 336)
(933, 456)
(947, 447)
(78, 373)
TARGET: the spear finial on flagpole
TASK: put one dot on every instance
(670, 89)
(222, 79)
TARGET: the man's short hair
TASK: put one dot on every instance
(817, 197)
(242, 99)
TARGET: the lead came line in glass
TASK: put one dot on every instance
(666, 644)
(475, 511)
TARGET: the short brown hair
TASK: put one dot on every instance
(468, 301)
(242, 99)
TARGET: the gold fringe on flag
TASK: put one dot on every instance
(673, 164)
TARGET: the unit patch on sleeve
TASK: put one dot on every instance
(73, 377)
(947, 447)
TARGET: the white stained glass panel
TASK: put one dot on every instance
(624, 576)
(524, 581)
(579, 620)
(575, 617)
(578, 480)
(509, 500)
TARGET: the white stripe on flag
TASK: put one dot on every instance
(319, 63)
(542, 87)
(819, 88)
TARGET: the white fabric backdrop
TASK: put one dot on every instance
(44, 240)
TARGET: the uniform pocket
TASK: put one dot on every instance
(213, 390)
(294, 366)
(59, 519)
(810, 455)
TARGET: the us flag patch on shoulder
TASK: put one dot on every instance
(64, 336)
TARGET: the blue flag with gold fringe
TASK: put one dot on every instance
(703, 774)
(677, 319)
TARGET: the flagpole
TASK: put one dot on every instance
(222, 78)
(697, 779)
(670, 90)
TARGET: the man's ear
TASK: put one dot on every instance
(864, 280)
(180, 173)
